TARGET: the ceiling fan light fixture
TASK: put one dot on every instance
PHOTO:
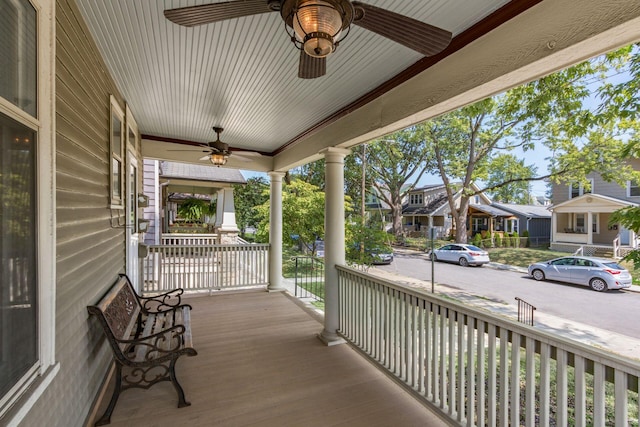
(218, 159)
(317, 25)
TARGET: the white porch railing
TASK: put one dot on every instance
(188, 239)
(204, 267)
(484, 370)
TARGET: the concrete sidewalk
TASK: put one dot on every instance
(587, 334)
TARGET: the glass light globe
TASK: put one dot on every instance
(317, 24)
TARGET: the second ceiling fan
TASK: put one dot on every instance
(316, 27)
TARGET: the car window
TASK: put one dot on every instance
(446, 248)
(614, 265)
(584, 262)
(563, 261)
(457, 248)
(474, 248)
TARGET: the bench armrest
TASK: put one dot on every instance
(157, 303)
(154, 346)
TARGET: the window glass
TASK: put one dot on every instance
(117, 143)
(634, 189)
(18, 54)
(18, 299)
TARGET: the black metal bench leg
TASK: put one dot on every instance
(182, 402)
(106, 417)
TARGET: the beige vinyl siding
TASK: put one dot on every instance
(90, 252)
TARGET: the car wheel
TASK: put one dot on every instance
(537, 275)
(598, 284)
(463, 262)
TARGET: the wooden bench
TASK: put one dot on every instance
(147, 335)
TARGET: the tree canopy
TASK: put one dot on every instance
(246, 198)
(556, 112)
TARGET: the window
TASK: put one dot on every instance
(633, 189)
(18, 299)
(576, 190)
(117, 142)
(415, 199)
(580, 220)
(595, 223)
(27, 249)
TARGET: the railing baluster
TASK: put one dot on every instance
(561, 393)
(598, 395)
(621, 398)
(515, 380)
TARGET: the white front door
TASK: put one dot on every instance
(133, 262)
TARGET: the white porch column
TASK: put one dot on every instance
(226, 211)
(275, 233)
(589, 226)
(334, 250)
(554, 225)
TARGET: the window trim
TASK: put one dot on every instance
(629, 186)
(416, 199)
(117, 202)
(580, 188)
(25, 394)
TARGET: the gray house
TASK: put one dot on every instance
(533, 218)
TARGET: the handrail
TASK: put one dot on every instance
(525, 312)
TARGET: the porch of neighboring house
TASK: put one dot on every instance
(259, 363)
(486, 219)
(582, 225)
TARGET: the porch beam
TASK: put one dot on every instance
(275, 233)
(334, 250)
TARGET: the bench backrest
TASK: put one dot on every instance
(118, 312)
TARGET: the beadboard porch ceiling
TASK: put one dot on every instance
(241, 74)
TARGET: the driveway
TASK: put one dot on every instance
(607, 319)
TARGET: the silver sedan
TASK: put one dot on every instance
(461, 253)
(598, 273)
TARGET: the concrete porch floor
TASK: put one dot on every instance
(259, 363)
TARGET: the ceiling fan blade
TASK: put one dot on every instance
(204, 157)
(192, 16)
(192, 151)
(414, 34)
(240, 158)
(311, 67)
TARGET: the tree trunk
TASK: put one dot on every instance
(396, 215)
(460, 218)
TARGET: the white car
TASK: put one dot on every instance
(598, 273)
(462, 254)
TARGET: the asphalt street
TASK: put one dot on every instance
(613, 311)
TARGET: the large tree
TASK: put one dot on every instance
(394, 165)
(556, 111)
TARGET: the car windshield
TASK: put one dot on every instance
(473, 248)
(614, 265)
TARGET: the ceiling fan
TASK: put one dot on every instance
(317, 27)
(219, 152)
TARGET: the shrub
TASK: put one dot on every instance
(498, 240)
(477, 239)
(516, 240)
(525, 234)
